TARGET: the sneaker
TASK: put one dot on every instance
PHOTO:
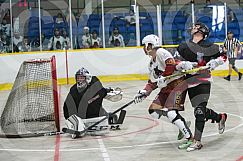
(240, 75)
(222, 123)
(195, 146)
(227, 78)
(181, 135)
(185, 144)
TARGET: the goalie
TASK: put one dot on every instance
(83, 105)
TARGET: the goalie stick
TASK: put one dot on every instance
(78, 133)
(30, 135)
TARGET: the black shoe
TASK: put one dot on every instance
(240, 75)
(227, 78)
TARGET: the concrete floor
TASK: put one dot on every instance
(141, 138)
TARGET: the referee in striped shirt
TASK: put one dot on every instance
(231, 47)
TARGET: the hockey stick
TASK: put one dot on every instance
(30, 135)
(78, 133)
(183, 72)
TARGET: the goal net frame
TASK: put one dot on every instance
(56, 100)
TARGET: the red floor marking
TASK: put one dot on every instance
(154, 124)
(58, 137)
(240, 159)
(57, 147)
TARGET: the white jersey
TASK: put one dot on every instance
(157, 66)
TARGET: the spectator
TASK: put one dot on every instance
(35, 44)
(59, 19)
(24, 46)
(7, 16)
(231, 16)
(67, 42)
(56, 42)
(5, 28)
(17, 40)
(131, 18)
(4, 44)
(86, 38)
(116, 39)
(96, 41)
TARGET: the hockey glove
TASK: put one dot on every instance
(214, 63)
(161, 82)
(184, 65)
(140, 96)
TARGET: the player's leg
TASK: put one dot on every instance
(219, 118)
(167, 104)
(230, 71)
(199, 96)
(236, 69)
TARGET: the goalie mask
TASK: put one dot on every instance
(200, 28)
(150, 42)
(83, 78)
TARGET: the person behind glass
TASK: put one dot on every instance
(4, 44)
(5, 28)
(59, 19)
(7, 16)
(67, 42)
(24, 46)
(116, 39)
(131, 18)
(231, 47)
(96, 41)
(86, 38)
(35, 44)
(17, 39)
(56, 42)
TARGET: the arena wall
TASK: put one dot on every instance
(114, 64)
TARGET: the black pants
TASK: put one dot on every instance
(199, 96)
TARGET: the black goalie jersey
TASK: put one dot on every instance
(85, 104)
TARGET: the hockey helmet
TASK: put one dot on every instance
(83, 78)
(201, 28)
(151, 39)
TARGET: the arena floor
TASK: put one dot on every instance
(140, 138)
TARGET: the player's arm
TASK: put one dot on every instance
(238, 45)
(218, 58)
(102, 90)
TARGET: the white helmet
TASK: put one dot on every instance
(151, 39)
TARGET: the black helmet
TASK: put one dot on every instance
(203, 29)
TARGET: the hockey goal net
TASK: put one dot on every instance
(32, 107)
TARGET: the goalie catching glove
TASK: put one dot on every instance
(114, 95)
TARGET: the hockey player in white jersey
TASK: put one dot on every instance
(170, 100)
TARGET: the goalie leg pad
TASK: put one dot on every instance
(91, 121)
(75, 123)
